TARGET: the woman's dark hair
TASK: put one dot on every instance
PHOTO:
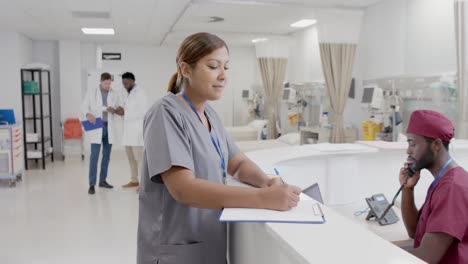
(193, 49)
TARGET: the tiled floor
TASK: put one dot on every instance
(50, 218)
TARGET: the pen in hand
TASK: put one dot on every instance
(278, 175)
(281, 179)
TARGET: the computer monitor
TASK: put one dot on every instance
(351, 93)
(7, 117)
(367, 95)
(286, 94)
(372, 96)
(289, 95)
(245, 94)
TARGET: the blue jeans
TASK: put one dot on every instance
(93, 160)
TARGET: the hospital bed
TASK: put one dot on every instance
(290, 139)
(252, 131)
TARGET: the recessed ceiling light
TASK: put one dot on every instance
(303, 23)
(90, 14)
(215, 19)
(259, 40)
(98, 31)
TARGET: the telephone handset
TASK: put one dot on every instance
(410, 172)
(379, 207)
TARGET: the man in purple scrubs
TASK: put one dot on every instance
(440, 227)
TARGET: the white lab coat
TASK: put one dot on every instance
(136, 106)
(93, 104)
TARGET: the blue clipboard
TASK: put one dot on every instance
(7, 117)
(87, 126)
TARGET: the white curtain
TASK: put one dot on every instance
(338, 40)
(337, 64)
(273, 71)
(272, 58)
(461, 32)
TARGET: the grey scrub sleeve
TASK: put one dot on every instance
(167, 143)
(168, 231)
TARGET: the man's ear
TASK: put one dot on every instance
(437, 145)
(185, 70)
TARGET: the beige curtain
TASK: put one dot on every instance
(337, 64)
(273, 72)
(461, 32)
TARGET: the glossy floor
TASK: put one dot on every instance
(50, 218)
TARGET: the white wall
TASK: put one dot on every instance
(153, 67)
(412, 37)
(88, 63)
(304, 57)
(70, 78)
(304, 65)
(11, 86)
(381, 51)
(382, 45)
(430, 37)
(305, 62)
(397, 37)
(244, 73)
(24, 49)
(339, 25)
(15, 52)
(403, 37)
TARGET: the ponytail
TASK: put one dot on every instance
(172, 86)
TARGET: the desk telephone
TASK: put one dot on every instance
(378, 204)
(381, 209)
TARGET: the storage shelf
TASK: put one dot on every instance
(36, 94)
(36, 70)
(37, 118)
(7, 176)
(42, 108)
(38, 142)
(46, 156)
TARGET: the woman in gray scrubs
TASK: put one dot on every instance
(187, 157)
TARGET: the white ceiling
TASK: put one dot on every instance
(162, 22)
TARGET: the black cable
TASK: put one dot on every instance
(392, 204)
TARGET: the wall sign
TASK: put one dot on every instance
(111, 56)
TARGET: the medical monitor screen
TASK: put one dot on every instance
(379, 198)
(286, 94)
(367, 95)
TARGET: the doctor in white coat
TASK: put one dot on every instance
(101, 102)
(135, 108)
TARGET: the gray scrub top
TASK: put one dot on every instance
(168, 231)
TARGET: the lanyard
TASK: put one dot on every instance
(434, 183)
(215, 142)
